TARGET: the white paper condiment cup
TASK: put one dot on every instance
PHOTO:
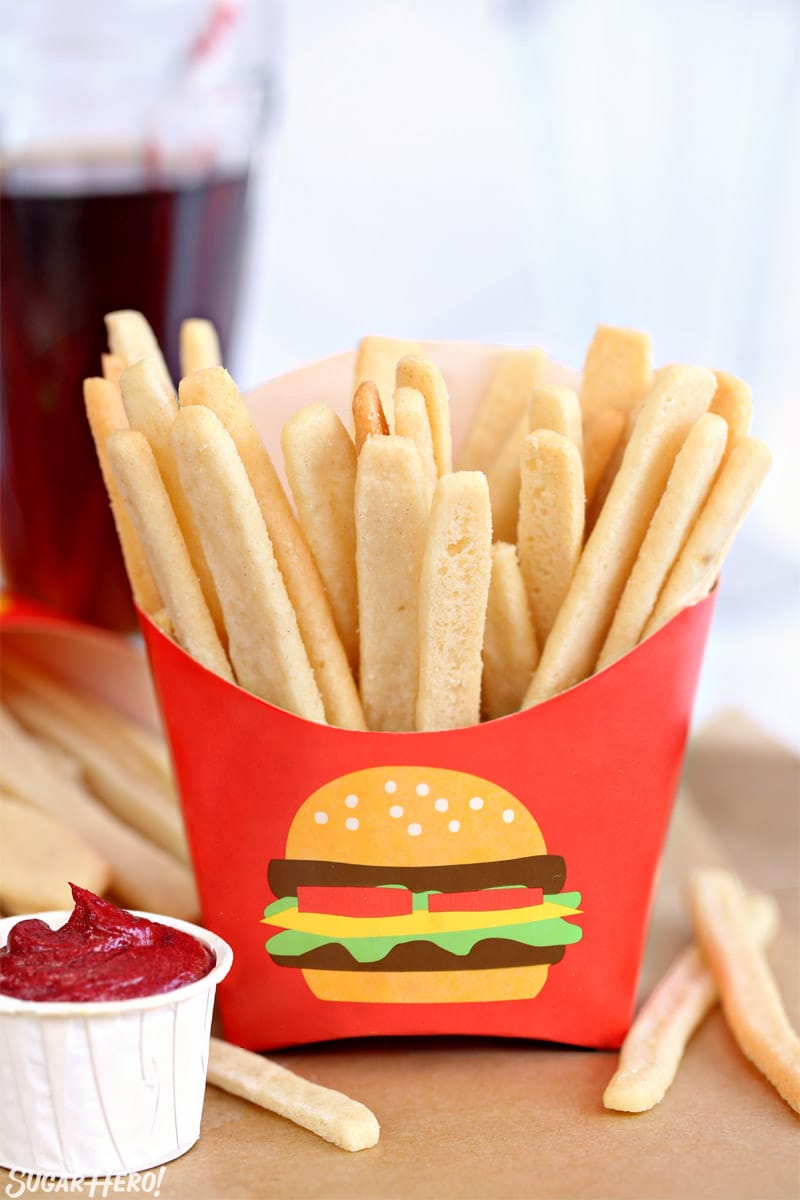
(106, 1087)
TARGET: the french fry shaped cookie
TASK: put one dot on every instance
(134, 800)
(376, 360)
(216, 391)
(38, 854)
(733, 401)
(654, 1046)
(411, 421)
(425, 376)
(687, 487)
(550, 529)
(142, 875)
(558, 409)
(549, 407)
(503, 478)
(330, 1115)
(509, 641)
(320, 461)
(369, 419)
(112, 367)
(106, 414)
(676, 401)
(750, 998)
(130, 340)
(265, 645)
(141, 487)
(502, 407)
(151, 406)
(391, 520)
(699, 562)
(454, 591)
(200, 346)
(601, 436)
(140, 751)
(618, 369)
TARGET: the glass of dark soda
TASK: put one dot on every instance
(125, 172)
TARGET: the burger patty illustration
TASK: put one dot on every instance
(406, 885)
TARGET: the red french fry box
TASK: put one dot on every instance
(490, 880)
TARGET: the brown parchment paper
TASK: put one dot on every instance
(474, 1118)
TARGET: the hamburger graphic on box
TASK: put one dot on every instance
(406, 885)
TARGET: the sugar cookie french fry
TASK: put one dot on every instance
(320, 461)
(687, 488)
(502, 407)
(369, 418)
(151, 406)
(550, 528)
(618, 369)
(112, 366)
(654, 1046)
(601, 436)
(748, 991)
(141, 752)
(199, 346)
(733, 400)
(453, 594)
(411, 420)
(66, 764)
(106, 414)
(391, 510)
(131, 339)
(141, 488)
(377, 359)
(142, 875)
(503, 477)
(131, 797)
(214, 389)
(38, 854)
(556, 408)
(509, 641)
(617, 372)
(329, 1114)
(161, 618)
(265, 645)
(613, 464)
(151, 748)
(549, 407)
(419, 373)
(678, 398)
(701, 558)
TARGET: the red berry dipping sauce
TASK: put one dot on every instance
(101, 953)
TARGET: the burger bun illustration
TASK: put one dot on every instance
(418, 885)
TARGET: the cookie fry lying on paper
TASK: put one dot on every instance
(652, 1051)
(329, 1114)
(748, 991)
(142, 874)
